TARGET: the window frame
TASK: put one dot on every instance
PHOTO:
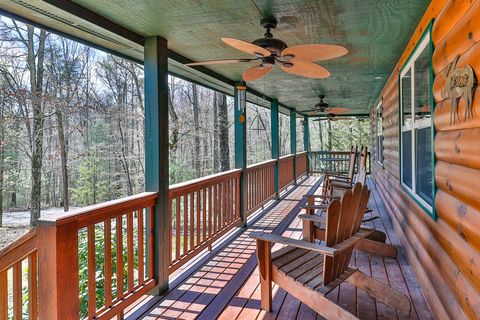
(425, 43)
(379, 133)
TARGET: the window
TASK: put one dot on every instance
(379, 120)
(416, 125)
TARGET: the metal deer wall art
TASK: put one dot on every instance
(460, 82)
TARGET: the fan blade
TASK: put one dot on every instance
(338, 110)
(221, 61)
(314, 52)
(306, 69)
(255, 73)
(246, 47)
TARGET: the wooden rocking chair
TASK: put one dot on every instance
(374, 243)
(309, 271)
(331, 177)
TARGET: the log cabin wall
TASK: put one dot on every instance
(445, 253)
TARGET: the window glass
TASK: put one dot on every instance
(424, 164)
(407, 158)
(379, 134)
(422, 88)
(416, 129)
(407, 98)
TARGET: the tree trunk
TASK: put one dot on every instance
(35, 66)
(320, 129)
(216, 166)
(2, 146)
(223, 133)
(196, 131)
(63, 159)
(329, 135)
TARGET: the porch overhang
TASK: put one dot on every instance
(366, 28)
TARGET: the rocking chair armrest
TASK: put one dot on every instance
(312, 218)
(322, 196)
(274, 238)
(315, 206)
(341, 185)
(337, 176)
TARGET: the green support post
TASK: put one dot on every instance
(275, 142)
(306, 139)
(156, 151)
(240, 122)
(293, 142)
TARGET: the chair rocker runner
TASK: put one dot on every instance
(310, 270)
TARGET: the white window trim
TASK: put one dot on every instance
(379, 106)
(414, 124)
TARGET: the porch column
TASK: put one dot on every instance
(275, 141)
(241, 143)
(293, 142)
(306, 139)
(156, 151)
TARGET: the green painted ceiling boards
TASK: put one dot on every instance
(374, 31)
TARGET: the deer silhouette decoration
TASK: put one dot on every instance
(460, 82)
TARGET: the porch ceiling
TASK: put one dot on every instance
(375, 33)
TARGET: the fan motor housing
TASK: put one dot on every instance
(275, 46)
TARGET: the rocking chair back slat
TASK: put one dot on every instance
(352, 161)
(343, 220)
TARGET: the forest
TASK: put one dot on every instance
(72, 125)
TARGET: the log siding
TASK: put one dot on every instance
(445, 254)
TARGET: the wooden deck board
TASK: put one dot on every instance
(196, 296)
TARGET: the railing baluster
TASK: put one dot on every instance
(204, 213)
(91, 271)
(185, 224)
(151, 233)
(130, 276)
(3, 295)
(141, 251)
(32, 286)
(170, 209)
(210, 212)
(119, 256)
(108, 261)
(17, 291)
(178, 234)
(198, 224)
(192, 221)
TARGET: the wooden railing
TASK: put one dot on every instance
(18, 271)
(259, 185)
(96, 262)
(333, 161)
(202, 210)
(285, 171)
(301, 164)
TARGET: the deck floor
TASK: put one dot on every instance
(227, 286)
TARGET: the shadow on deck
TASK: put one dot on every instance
(227, 285)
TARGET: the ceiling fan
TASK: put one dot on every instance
(268, 50)
(323, 107)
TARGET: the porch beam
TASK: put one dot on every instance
(240, 123)
(293, 142)
(156, 151)
(275, 141)
(306, 139)
(306, 134)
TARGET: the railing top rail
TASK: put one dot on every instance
(261, 164)
(100, 212)
(301, 153)
(18, 249)
(188, 186)
(288, 156)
